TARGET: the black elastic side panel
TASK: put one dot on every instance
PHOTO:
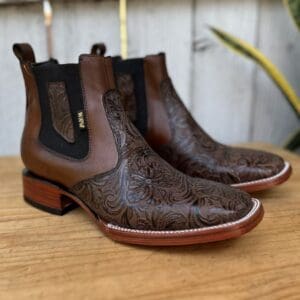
(135, 67)
(50, 61)
(69, 74)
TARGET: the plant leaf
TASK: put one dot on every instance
(293, 6)
(293, 142)
(251, 52)
(123, 28)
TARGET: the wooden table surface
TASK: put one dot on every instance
(44, 256)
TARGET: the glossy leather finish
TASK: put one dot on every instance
(144, 192)
(122, 180)
(176, 137)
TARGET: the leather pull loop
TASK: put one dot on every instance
(98, 49)
(24, 53)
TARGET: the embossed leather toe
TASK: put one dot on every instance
(218, 209)
(252, 165)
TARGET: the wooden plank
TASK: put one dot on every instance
(76, 26)
(22, 2)
(273, 119)
(16, 25)
(155, 26)
(222, 83)
(19, 2)
(51, 257)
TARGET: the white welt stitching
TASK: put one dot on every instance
(286, 167)
(255, 207)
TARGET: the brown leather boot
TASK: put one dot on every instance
(155, 108)
(80, 148)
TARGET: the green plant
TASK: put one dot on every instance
(241, 47)
(293, 6)
(294, 141)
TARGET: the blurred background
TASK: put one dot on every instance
(232, 98)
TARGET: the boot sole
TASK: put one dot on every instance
(266, 183)
(52, 198)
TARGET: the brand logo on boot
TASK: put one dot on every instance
(81, 120)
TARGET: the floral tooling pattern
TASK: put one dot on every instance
(144, 192)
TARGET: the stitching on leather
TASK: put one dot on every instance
(283, 171)
(254, 209)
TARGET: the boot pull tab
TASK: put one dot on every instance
(98, 49)
(24, 53)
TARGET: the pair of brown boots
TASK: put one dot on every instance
(113, 137)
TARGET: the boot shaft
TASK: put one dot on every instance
(66, 136)
(140, 82)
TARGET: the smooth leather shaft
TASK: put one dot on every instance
(97, 78)
(155, 70)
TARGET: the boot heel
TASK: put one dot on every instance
(45, 195)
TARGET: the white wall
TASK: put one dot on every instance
(232, 98)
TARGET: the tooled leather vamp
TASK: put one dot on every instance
(144, 192)
(195, 153)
